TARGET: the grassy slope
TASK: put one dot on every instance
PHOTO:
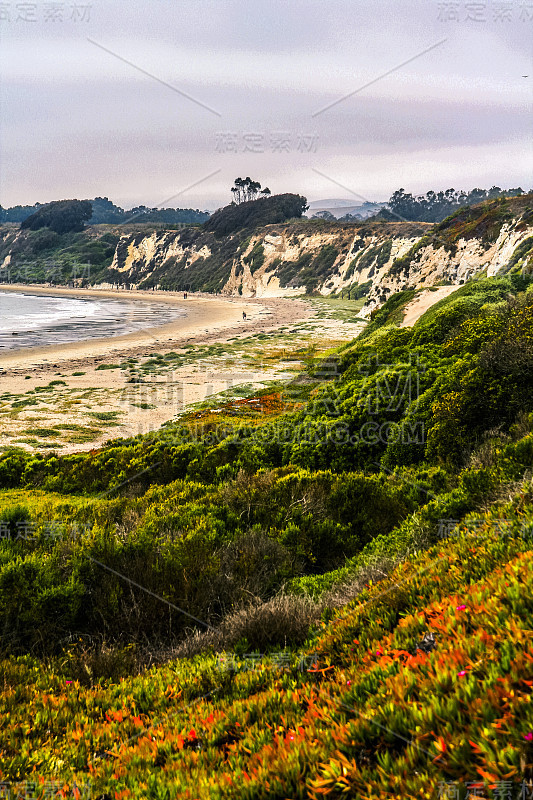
(358, 711)
(368, 714)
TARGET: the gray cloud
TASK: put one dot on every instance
(77, 121)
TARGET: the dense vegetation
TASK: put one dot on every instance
(104, 211)
(423, 682)
(46, 256)
(17, 213)
(375, 534)
(61, 216)
(255, 213)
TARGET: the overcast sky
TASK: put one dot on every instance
(246, 88)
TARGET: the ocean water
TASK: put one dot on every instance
(28, 320)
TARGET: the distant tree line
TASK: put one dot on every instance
(104, 211)
(18, 213)
(327, 215)
(436, 206)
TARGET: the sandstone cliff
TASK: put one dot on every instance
(371, 258)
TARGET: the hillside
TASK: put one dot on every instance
(361, 712)
(319, 590)
(44, 256)
(372, 258)
(492, 238)
(275, 260)
(377, 258)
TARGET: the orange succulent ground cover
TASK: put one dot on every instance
(268, 404)
(373, 715)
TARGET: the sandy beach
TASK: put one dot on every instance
(205, 316)
(75, 396)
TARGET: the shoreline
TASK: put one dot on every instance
(76, 396)
(206, 316)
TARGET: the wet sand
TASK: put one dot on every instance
(206, 317)
(89, 386)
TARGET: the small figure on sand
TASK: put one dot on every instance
(244, 315)
(184, 295)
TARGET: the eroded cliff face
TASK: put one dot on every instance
(374, 259)
(336, 258)
(138, 257)
(278, 260)
(492, 239)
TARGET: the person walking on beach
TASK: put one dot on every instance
(244, 315)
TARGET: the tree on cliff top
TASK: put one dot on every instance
(254, 213)
(245, 189)
(61, 216)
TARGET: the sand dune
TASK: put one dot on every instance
(426, 299)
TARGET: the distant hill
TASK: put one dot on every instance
(340, 209)
(316, 205)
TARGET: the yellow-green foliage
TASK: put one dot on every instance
(366, 714)
(207, 521)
